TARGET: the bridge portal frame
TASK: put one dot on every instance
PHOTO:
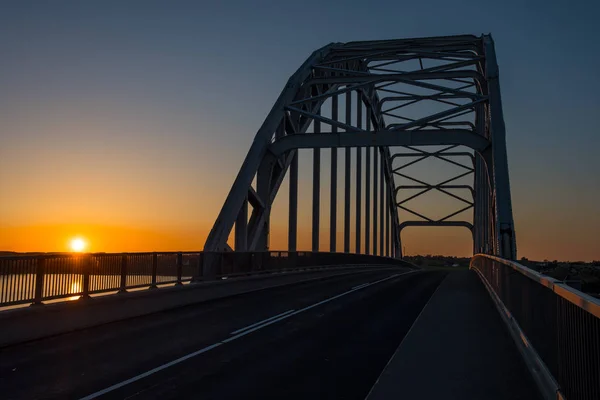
(307, 114)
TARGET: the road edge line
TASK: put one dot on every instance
(404, 338)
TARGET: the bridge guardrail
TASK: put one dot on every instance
(561, 323)
(44, 277)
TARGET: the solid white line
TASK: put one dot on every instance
(260, 322)
(148, 373)
(403, 339)
(360, 286)
(307, 308)
(244, 333)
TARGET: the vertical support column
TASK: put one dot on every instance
(375, 178)
(492, 227)
(333, 190)
(381, 206)
(486, 215)
(316, 191)
(241, 228)
(387, 219)
(476, 207)
(480, 207)
(397, 251)
(358, 176)
(479, 188)
(393, 243)
(263, 186)
(368, 190)
(505, 233)
(348, 159)
(293, 204)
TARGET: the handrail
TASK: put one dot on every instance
(577, 297)
(35, 255)
(557, 326)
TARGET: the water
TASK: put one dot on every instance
(21, 287)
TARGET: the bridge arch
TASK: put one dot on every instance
(386, 101)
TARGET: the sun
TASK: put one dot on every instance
(77, 245)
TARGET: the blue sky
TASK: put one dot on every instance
(108, 88)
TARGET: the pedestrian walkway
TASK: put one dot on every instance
(458, 348)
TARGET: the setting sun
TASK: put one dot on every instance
(77, 245)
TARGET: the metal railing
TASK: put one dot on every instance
(43, 277)
(35, 279)
(561, 323)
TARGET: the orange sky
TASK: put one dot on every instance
(62, 177)
(136, 213)
(449, 241)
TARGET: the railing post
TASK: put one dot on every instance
(123, 285)
(293, 259)
(179, 268)
(154, 269)
(39, 282)
(198, 275)
(212, 263)
(87, 266)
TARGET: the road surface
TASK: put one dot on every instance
(327, 338)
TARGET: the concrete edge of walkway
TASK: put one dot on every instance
(403, 339)
(542, 376)
(60, 318)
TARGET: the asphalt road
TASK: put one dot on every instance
(327, 339)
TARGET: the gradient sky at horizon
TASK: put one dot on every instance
(126, 122)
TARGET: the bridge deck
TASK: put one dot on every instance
(458, 348)
(328, 337)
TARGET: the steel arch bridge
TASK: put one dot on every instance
(393, 103)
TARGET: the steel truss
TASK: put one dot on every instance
(410, 93)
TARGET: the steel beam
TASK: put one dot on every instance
(358, 177)
(504, 225)
(382, 207)
(217, 238)
(459, 71)
(437, 223)
(347, 173)
(371, 98)
(408, 77)
(241, 228)
(376, 176)
(381, 138)
(387, 220)
(368, 190)
(293, 204)
(316, 205)
(260, 233)
(333, 190)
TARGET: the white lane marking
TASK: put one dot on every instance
(307, 308)
(148, 373)
(403, 339)
(212, 346)
(260, 322)
(360, 286)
